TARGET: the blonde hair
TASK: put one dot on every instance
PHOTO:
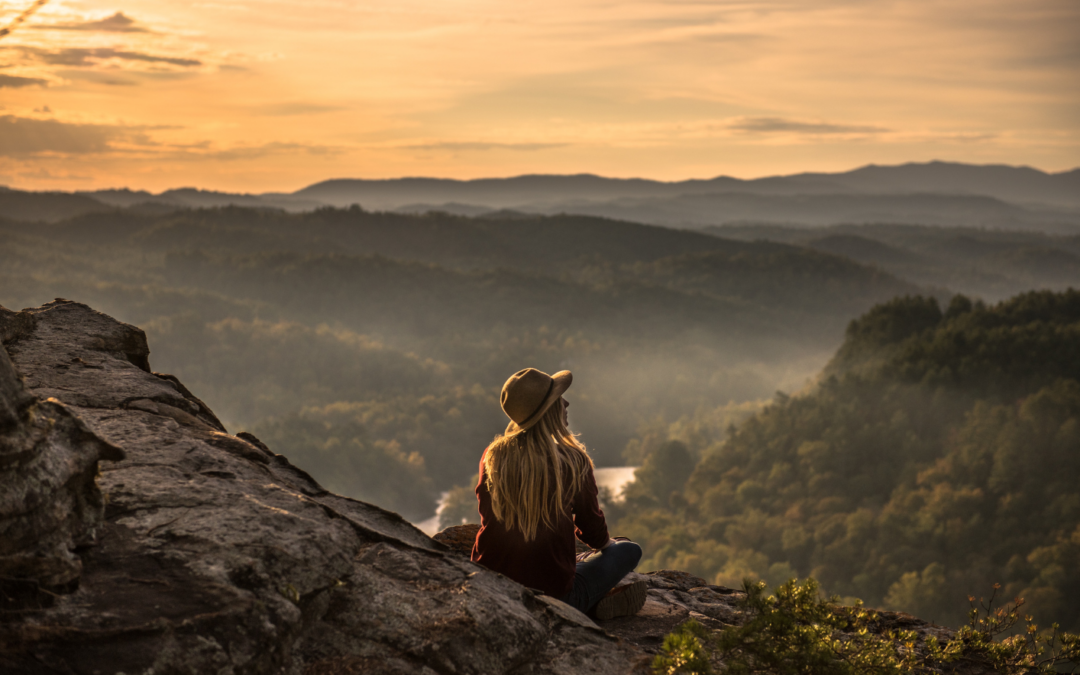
(527, 472)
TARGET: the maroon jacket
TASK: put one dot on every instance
(547, 562)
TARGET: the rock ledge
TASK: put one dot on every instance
(202, 552)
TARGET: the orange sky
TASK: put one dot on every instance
(260, 95)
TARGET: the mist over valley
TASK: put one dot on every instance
(364, 328)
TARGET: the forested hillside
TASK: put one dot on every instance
(370, 347)
(938, 454)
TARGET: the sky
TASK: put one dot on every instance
(262, 95)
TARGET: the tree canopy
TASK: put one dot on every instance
(939, 453)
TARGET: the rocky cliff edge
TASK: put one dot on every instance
(138, 536)
(212, 554)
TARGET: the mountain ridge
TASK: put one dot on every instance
(941, 193)
(1055, 188)
(1062, 187)
(938, 193)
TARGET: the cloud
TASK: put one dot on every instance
(117, 23)
(44, 174)
(466, 146)
(286, 109)
(111, 78)
(256, 151)
(774, 125)
(83, 56)
(14, 81)
(33, 137)
(26, 136)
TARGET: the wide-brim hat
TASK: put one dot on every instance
(528, 394)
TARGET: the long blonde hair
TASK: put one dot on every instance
(527, 472)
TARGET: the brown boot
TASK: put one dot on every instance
(621, 601)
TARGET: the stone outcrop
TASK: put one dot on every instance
(50, 503)
(203, 552)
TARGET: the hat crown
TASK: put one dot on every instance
(524, 393)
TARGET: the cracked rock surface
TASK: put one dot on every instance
(50, 503)
(197, 551)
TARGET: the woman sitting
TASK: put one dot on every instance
(536, 492)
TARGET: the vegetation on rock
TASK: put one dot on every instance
(795, 631)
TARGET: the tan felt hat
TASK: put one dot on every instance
(528, 394)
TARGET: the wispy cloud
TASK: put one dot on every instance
(44, 174)
(297, 108)
(464, 146)
(109, 78)
(87, 56)
(24, 137)
(117, 23)
(264, 150)
(16, 81)
(774, 125)
(20, 136)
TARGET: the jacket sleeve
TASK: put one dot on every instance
(591, 527)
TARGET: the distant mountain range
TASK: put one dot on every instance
(934, 193)
(1019, 185)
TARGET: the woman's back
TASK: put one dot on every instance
(546, 561)
(537, 492)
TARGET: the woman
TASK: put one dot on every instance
(536, 491)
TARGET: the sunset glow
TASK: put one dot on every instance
(258, 95)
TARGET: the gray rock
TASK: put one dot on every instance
(216, 555)
(50, 503)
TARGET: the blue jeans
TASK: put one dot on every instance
(600, 573)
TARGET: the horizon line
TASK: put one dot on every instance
(564, 175)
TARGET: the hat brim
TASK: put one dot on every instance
(560, 383)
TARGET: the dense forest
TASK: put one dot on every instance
(370, 347)
(938, 454)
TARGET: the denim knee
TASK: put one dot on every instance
(629, 551)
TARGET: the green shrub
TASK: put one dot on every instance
(1028, 650)
(796, 631)
(683, 653)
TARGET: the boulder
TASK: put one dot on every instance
(198, 551)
